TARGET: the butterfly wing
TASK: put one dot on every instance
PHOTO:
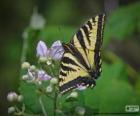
(73, 70)
(88, 41)
(81, 59)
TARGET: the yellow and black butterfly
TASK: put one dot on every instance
(81, 61)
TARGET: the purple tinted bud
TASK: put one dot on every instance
(42, 76)
(56, 51)
(32, 74)
(41, 49)
(12, 96)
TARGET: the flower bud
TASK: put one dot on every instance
(32, 67)
(54, 81)
(74, 95)
(25, 65)
(80, 111)
(20, 98)
(49, 89)
(25, 77)
(42, 59)
(49, 62)
(11, 110)
(12, 96)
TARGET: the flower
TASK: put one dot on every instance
(37, 20)
(12, 96)
(41, 49)
(42, 76)
(55, 52)
(37, 76)
(81, 87)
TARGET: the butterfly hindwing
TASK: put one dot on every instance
(81, 61)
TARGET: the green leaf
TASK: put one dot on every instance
(31, 99)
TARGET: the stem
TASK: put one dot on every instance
(55, 92)
(42, 106)
(55, 103)
(24, 49)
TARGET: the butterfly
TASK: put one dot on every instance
(81, 61)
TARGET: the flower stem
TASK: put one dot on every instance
(24, 49)
(55, 102)
(42, 106)
(55, 91)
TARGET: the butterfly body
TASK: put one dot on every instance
(81, 61)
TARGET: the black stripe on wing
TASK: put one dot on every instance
(62, 73)
(74, 51)
(89, 24)
(67, 68)
(98, 44)
(85, 81)
(67, 60)
(85, 29)
(80, 38)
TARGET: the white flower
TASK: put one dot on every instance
(37, 20)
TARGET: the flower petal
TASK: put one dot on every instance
(42, 49)
(56, 44)
(56, 51)
(43, 76)
(81, 87)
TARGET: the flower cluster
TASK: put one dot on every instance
(44, 73)
(35, 75)
(43, 76)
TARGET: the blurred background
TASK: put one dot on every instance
(63, 18)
